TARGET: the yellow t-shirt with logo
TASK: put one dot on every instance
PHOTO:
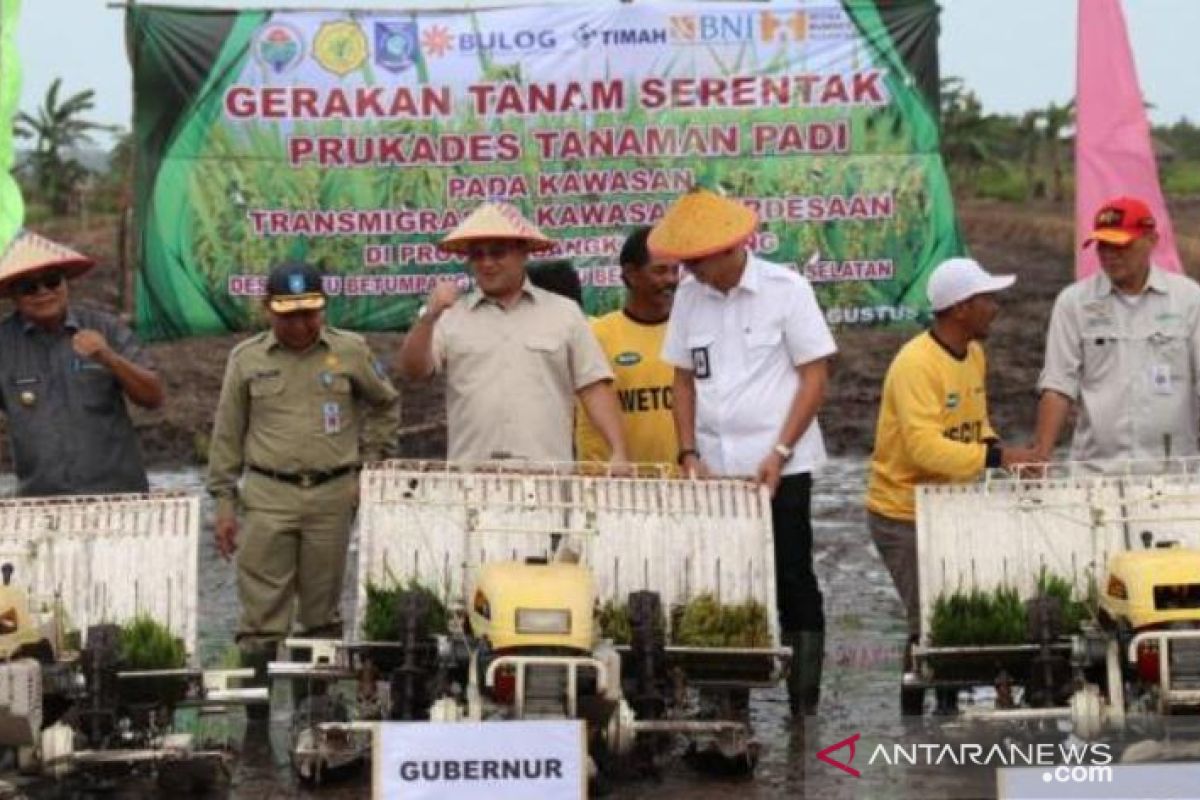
(643, 385)
(933, 424)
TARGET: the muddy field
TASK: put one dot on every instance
(1032, 242)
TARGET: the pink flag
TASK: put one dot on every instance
(1113, 155)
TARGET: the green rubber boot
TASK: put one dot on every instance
(804, 679)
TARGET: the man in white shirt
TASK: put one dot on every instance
(749, 345)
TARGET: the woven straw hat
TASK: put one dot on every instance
(496, 221)
(28, 253)
(700, 224)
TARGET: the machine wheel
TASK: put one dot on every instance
(410, 695)
(1087, 713)
(1115, 678)
(648, 648)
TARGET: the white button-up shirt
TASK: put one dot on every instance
(743, 348)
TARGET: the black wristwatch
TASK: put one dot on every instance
(687, 451)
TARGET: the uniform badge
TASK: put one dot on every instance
(333, 417)
(700, 362)
(326, 379)
(28, 398)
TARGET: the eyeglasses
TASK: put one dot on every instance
(492, 251)
(31, 286)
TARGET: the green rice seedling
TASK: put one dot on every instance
(703, 622)
(148, 644)
(613, 619)
(381, 622)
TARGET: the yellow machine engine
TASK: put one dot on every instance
(1152, 587)
(17, 628)
(517, 605)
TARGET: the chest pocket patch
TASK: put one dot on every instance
(95, 388)
(266, 385)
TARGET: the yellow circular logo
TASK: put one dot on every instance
(340, 47)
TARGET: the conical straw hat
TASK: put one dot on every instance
(700, 224)
(28, 253)
(496, 221)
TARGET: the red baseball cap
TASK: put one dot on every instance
(1120, 221)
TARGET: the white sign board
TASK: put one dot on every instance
(486, 760)
(1170, 781)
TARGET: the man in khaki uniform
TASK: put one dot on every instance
(301, 407)
(515, 356)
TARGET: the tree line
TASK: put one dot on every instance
(1030, 156)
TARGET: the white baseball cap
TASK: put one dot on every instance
(958, 279)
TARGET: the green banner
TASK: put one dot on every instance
(12, 209)
(356, 140)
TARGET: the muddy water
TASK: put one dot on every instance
(865, 637)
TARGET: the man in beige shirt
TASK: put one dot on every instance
(515, 357)
(302, 405)
(1123, 348)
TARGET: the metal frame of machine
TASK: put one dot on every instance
(498, 540)
(72, 708)
(1109, 522)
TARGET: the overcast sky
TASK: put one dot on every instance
(1016, 54)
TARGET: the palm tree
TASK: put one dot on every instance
(967, 133)
(1057, 121)
(59, 128)
(1029, 141)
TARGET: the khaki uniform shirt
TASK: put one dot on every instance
(284, 411)
(1131, 365)
(512, 374)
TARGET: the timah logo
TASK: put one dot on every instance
(844, 766)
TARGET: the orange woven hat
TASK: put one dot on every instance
(28, 253)
(700, 224)
(496, 221)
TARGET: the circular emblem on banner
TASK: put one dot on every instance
(279, 46)
(340, 47)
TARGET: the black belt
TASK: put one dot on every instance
(306, 480)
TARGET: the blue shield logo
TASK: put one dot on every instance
(396, 45)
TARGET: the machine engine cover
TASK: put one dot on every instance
(533, 605)
(1128, 592)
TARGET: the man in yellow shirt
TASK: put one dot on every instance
(933, 423)
(632, 339)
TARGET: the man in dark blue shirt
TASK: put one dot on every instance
(64, 375)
